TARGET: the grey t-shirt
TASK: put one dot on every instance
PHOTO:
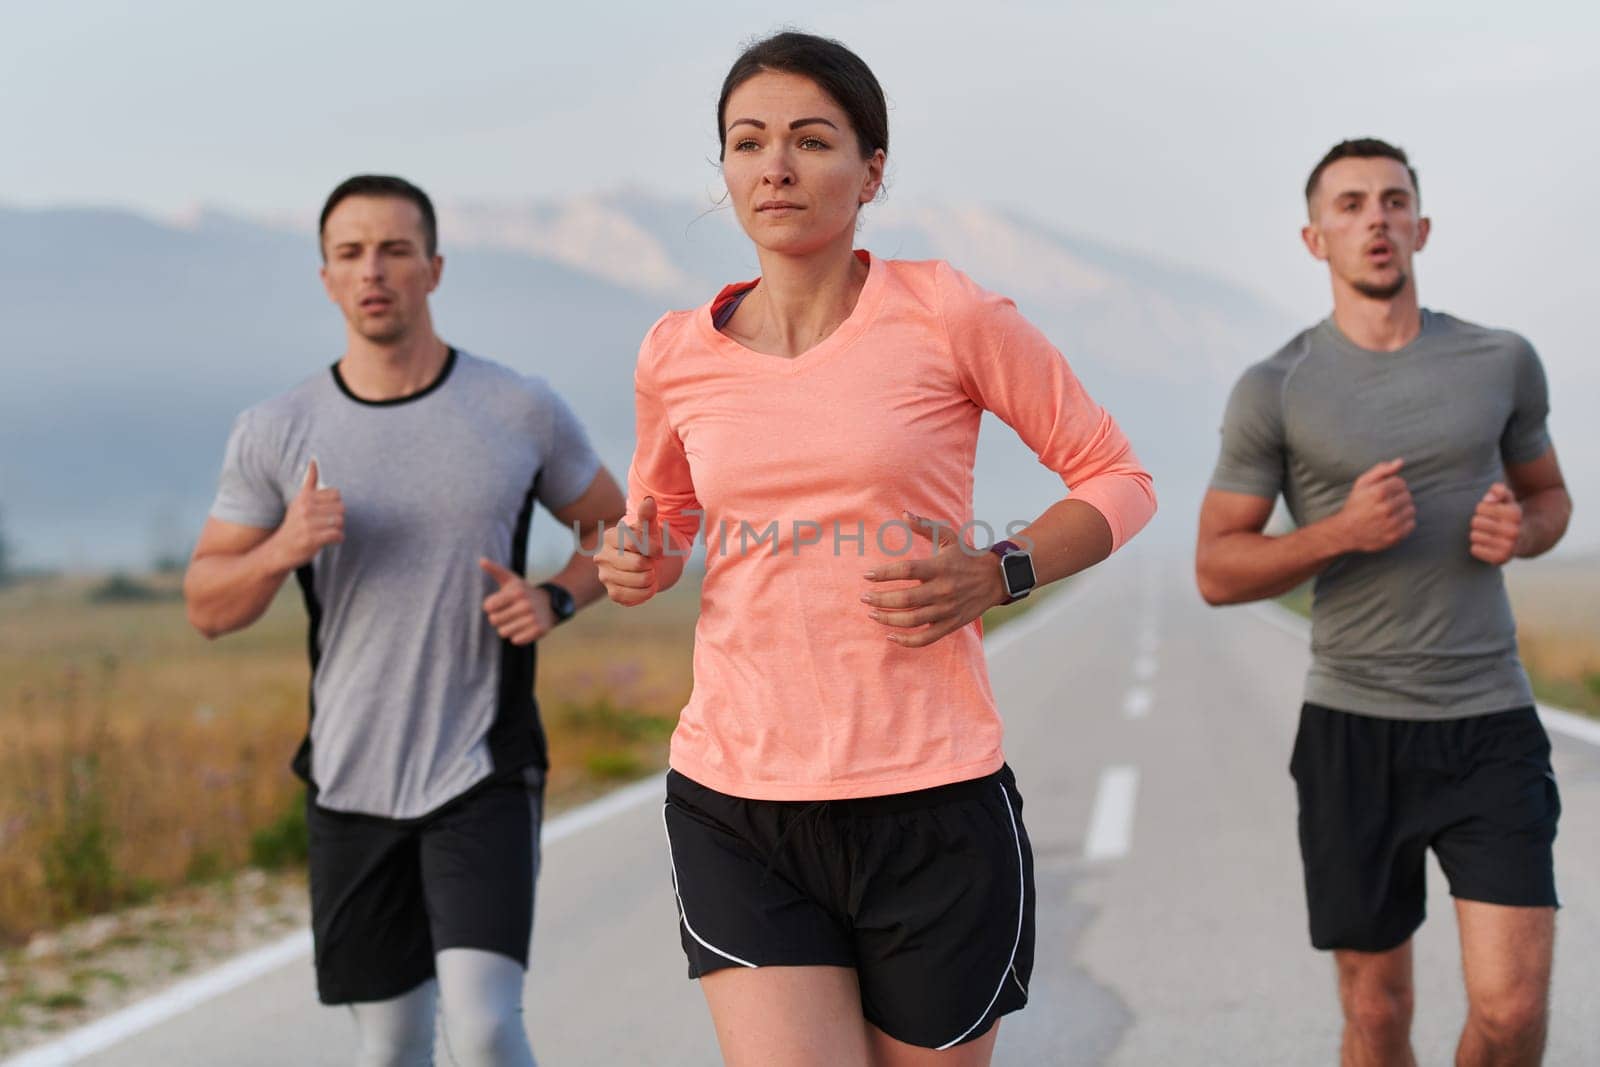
(1422, 630)
(414, 696)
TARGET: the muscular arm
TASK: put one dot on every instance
(1235, 562)
(1546, 505)
(234, 574)
(236, 570)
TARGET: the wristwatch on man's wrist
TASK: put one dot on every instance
(561, 601)
(1016, 570)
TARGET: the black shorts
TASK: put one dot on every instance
(1376, 794)
(927, 895)
(388, 894)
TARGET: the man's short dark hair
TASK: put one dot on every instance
(1361, 148)
(384, 185)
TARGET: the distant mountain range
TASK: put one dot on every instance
(131, 343)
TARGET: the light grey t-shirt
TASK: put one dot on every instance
(414, 696)
(1422, 630)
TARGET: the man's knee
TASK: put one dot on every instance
(1377, 995)
(397, 1032)
(1378, 1010)
(479, 1038)
(386, 1053)
(1510, 1017)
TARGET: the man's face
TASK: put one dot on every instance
(376, 265)
(1365, 224)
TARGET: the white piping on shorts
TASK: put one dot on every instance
(1017, 980)
(1022, 904)
(682, 914)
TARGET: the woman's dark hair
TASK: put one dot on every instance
(839, 71)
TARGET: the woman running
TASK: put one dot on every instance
(853, 880)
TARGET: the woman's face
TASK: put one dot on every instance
(793, 166)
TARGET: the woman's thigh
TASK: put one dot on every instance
(788, 1017)
(887, 1052)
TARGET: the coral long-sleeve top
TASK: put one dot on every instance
(796, 472)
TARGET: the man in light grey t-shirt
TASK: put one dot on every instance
(1412, 452)
(398, 487)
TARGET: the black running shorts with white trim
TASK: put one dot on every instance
(387, 895)
(1376, 794)
(927, 895)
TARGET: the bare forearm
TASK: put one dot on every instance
(1069, 537)
(225, 593)
(1238, 567)
(1545, 515)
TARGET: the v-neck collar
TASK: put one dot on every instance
(860, 317)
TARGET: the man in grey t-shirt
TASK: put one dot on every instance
(398, 487)
(1412, 452)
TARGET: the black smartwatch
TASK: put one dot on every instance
(1016, 570)
(561, 601)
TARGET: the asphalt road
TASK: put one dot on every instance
(1151, 737)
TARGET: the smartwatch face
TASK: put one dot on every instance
(560, 602)
(1018, 570)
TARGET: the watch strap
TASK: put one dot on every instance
(561, 601)
(1001, 550)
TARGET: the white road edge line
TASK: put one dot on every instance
(192, 992)
(1556, 720)
(101, 1035)
(1111, 821)
(1570, 724)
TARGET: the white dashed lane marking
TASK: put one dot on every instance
(1136, 705)
(1111, 821)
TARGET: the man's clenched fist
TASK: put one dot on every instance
(1379, 512)
(519, 612)
(1496, 525)
(315, 518)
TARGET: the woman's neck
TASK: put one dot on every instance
(800, 300)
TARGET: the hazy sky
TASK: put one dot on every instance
(1181, 129)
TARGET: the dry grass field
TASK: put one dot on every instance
(135, 756)
(1557, 602)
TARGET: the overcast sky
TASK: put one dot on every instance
(1179, 129)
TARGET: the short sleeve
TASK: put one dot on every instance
(660, 467)
(249, 492)
(1252, 460)
(570, 461)
(1006, 365)
(1526, 437)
